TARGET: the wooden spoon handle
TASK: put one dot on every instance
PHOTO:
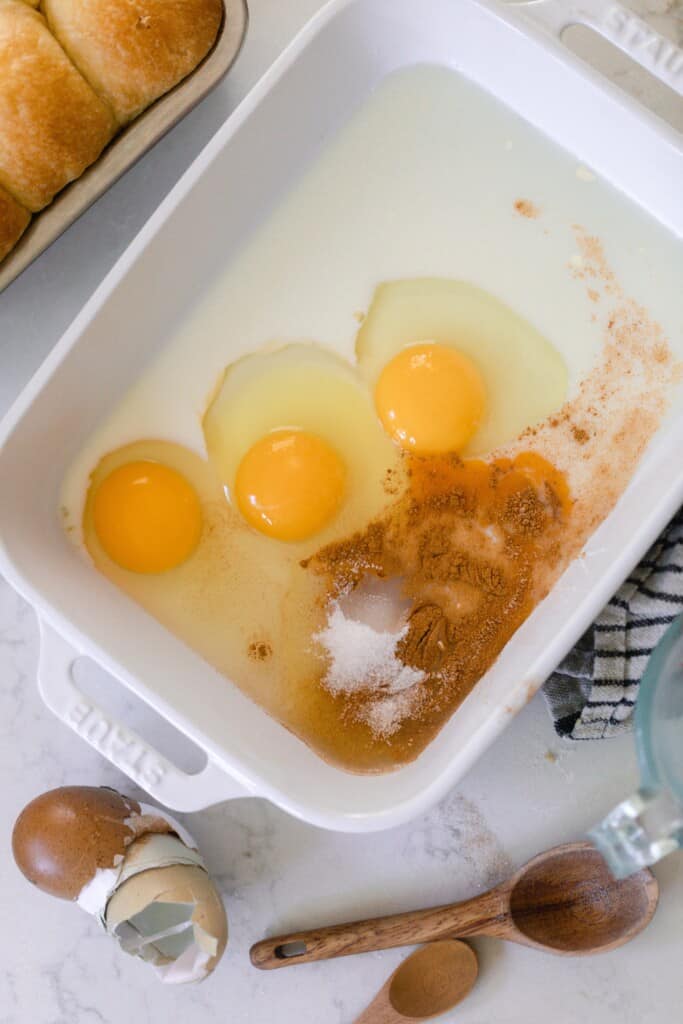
(380, 1011)
(486, 913)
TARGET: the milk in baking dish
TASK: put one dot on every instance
(432, 179)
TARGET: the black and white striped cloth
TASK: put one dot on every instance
(592, 693)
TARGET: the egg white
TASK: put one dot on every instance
(305, 387)
(524, 375)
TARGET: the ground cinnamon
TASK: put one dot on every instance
(472, 543)
(475, 545)
(525, 208)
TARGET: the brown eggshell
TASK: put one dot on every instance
(176, 883)
(62, 837)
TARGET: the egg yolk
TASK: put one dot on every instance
(430, 398)
(147, 517)
(290, 484)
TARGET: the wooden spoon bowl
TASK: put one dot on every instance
(574, 905)
(429, 982)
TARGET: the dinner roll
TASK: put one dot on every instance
(13, 222)
(52, 125)
(132, 51)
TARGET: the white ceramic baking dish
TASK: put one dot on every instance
(334, 63)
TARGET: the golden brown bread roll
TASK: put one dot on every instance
(14, 220)
(52, 125)
(133, 51)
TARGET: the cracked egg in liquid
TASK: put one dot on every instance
(311, 473)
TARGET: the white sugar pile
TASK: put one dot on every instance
(359, 640)
(363, 658)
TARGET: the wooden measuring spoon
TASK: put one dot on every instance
(564, 901)
(432, 980)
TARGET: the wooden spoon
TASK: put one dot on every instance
(564, 901)
(432, 980)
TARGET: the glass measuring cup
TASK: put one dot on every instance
(649, 825)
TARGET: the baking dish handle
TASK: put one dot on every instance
(122, 746)
(619, 26)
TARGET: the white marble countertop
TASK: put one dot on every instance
(527, 793)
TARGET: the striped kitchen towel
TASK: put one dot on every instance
(592, 693)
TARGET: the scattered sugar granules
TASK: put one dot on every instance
(359, 640)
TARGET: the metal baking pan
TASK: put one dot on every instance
(129, 145)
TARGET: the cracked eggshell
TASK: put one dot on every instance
(149, 814)
(157, 851)
(173, 918)
(66, 837)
